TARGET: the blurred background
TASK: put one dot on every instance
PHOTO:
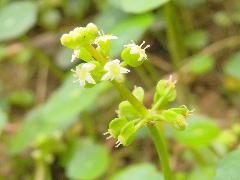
(50, 128)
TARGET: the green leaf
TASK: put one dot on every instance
(89, 161)
(231, 67)
(229, 167)
(141, 6)
(16, 19)
(22, 98)
(141, 171)
(191, 3)
(202, 172)
(201, 64)
(132, 28)
(57, 114)
(201, 131)
(196, 39)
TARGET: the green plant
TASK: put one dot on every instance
(93, 48)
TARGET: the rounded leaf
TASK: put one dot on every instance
(140, 6)
(231, 67)
(16, 19)
(200, 132)
(141, 171)
(88, 162)
(228, 168)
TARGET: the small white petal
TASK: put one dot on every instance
(89, 79)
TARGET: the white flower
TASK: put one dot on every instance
(135, 49)
(114, 71)
(75, 55)
(104, 38)
(83, 75)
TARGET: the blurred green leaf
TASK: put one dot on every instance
(202, 172)
(57, 114)
(141, 171)
(221, 18)
(3, 120)
(76, 8)
(229, 167)
(196, 40)
(141, 6)
(201, 131)
(231, 67)
(201, 64)
(22, 98)
(89, 161)
(50, 19)
(190, 3)
(16, 19)
(132, 28)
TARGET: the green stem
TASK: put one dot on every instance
(161, 146)
(40, 170)
(156, 132)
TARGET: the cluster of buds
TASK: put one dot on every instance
(93, 47)
(124, 127)
(92, 72)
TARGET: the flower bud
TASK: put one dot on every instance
(138, 92)
(166, 89)
(92, 28)
(183, 110)
(115, 126)
(176, 120)
(127, 110)
(67, 40)
(127, 134)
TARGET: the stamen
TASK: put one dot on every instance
(106, 133)
(118, 143)
(147, 46)
(142, 44)
(109, 137)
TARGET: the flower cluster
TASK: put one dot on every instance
(125, 126)
(93, 47)
(83, 39)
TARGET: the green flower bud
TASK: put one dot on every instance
(92, 28)
(134, 55)
(138, 92)
(183, 110)
(127, 110)
(127, 135)
(67, 40)
(166, 89)
(115, 127)
(176, 120)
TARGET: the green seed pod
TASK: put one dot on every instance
(183, 110)
(127, 134)
(131, 59)
(138, 92)
(116, 125)
(176, 120)
(166, 89)
(134, 55)
(127, 110)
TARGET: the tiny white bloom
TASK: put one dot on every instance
(83, 75)
(135, 49)
(75, 55)
(104, 38)
(114, 71)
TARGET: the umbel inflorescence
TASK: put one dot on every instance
(93, 47)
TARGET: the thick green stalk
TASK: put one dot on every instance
(157, 136)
